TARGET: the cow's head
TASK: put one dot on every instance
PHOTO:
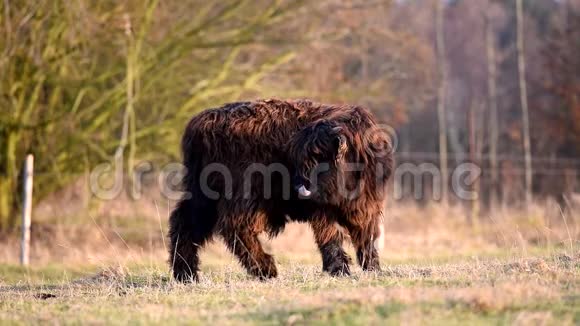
(318, 153)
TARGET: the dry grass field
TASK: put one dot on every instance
(509, 268)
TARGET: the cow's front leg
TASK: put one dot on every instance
(329, 239)
(364, 241)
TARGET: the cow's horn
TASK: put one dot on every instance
(304, 192)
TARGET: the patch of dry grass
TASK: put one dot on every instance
(509, 268)
(495, 290)
(414, 233)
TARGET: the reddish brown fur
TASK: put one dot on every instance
(298, 135)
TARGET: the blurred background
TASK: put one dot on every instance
(495, 83)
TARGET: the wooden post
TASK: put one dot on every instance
(27, 209)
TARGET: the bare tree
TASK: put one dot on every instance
(492, 102)
(72, 81)
(524, 100)
(474, 156)
(441, 98)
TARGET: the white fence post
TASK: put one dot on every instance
(27, 209)
(380, 241)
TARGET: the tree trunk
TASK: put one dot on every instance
(6, 190)
(473, 158)
(8, 176)
(492, 103)
(441, 98)
(524, 100)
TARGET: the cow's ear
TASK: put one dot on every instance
(339, 143)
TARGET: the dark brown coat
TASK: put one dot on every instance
(305, 145)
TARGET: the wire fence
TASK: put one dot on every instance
(553, 176)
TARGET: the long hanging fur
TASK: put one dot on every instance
(295, 135)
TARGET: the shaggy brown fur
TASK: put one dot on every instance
(300, 136)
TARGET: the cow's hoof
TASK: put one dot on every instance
(338, 269)
(265, 269)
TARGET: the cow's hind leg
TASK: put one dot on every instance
(329, 239)
(244, 243)
(190, 227)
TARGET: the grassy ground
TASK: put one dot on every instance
(507, 269)
(520, 290)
